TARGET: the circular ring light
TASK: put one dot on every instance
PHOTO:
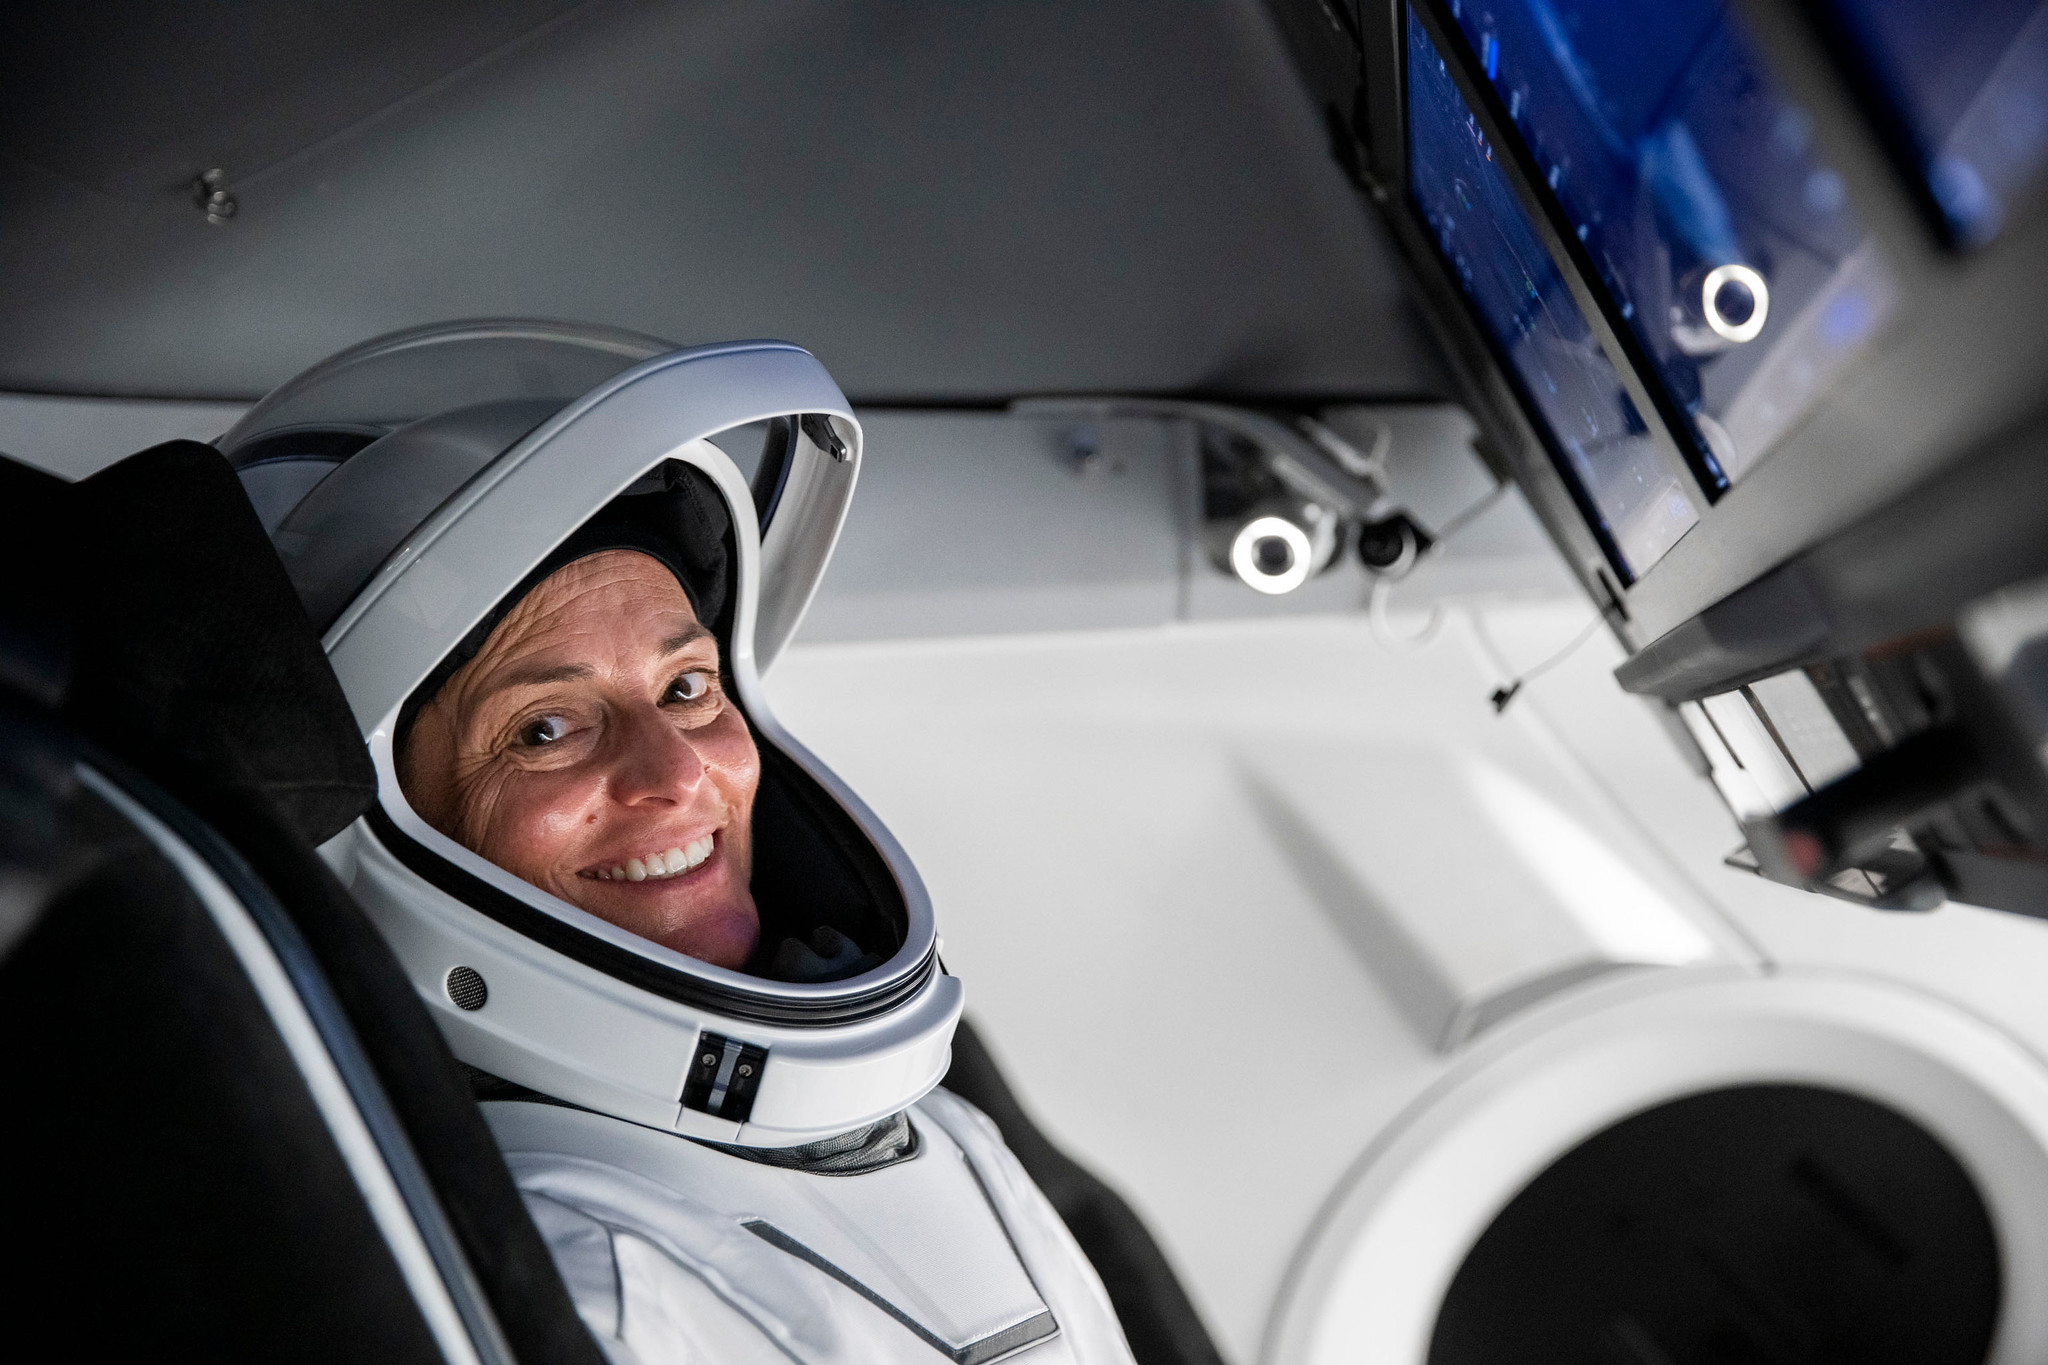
(1254, 557)
(1710, 302)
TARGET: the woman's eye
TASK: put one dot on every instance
(546, 730)
(689, 687)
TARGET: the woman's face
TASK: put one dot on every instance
(590, 748)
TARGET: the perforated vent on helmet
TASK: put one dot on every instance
(465, 986)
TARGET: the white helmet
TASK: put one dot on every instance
(416, 486)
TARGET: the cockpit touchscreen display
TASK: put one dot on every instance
(1967, 82)
(1725, 244)
(1637, 499)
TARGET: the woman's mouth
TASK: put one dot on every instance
(652, 867)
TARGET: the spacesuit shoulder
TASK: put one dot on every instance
(1058, 1266)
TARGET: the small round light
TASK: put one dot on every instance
(1710, 302)
(1272, 555)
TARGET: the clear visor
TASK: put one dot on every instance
(392, 380)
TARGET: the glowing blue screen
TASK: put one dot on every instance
(1726, 246)
(1636, 500)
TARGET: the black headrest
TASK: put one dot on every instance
(191, 656)
(35, 653)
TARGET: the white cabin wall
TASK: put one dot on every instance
(1175, 991)
(1177, 1002)
(1170, 994)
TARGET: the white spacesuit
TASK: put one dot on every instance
(729, 1165)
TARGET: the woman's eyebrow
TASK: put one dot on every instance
(540, 677)
(684, 640)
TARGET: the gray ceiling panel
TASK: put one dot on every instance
(946, 201)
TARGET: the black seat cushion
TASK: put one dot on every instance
(173, 1189)
(193, 661)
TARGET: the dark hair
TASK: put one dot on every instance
(674, 514)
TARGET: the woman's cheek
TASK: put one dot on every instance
(534, 822)
(730, 753)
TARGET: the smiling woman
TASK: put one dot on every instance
(634, 902)
(553, 614)
(590, 748)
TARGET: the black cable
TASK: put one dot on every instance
(1414, 553)
(1503, 695)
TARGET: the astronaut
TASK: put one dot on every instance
(695, 980)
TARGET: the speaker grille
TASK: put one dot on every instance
(465, 986)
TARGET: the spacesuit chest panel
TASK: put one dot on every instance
(919, 1240)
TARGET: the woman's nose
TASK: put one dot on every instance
(654, 761)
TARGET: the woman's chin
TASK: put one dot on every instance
(720, 928)
(723, 935)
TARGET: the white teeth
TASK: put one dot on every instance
(677, 861)
(657, 866)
